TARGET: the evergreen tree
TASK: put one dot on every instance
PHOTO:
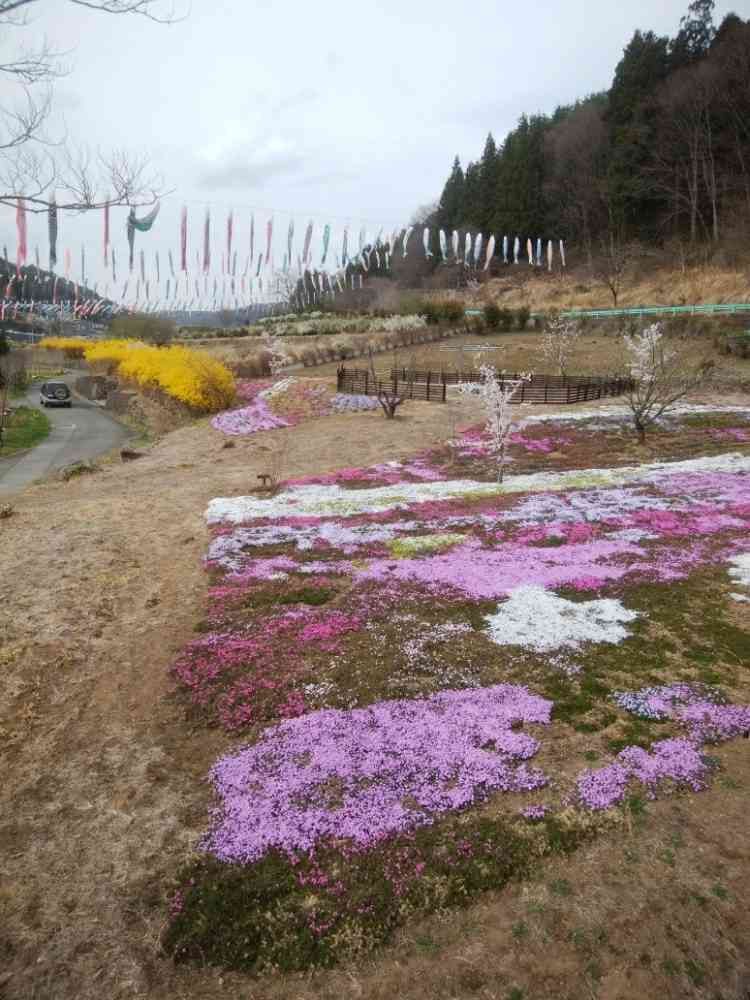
(471, 211)
(696, 33)
(632, 119)
(450, 207)
(488, 178)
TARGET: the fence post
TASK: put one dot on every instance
(366, 378)
(429, 377)
(443, 391)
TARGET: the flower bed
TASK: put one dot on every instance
(399, 633)
(285, 403)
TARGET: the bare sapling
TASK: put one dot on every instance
(660, 376)
(559, 341)
(497, 395)
(389, 399)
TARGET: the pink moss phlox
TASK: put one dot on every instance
(731, 433)
(365, 774)
(248, 390)
(676, 760)
(534, 813)
(474, 442)
(483, 574)
(330, 628)
(251, 419)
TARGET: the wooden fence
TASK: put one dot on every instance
(361, 382)
(432, 386)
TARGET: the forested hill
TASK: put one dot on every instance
(663, 154)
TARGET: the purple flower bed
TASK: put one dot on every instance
(365, 774)
(679, 761)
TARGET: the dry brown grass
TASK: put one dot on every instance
(595, 353)
(651, 285)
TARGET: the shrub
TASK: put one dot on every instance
(72, 347)
(452, 311)
(492, 315)
(189, 376)
(522, 317)
(431, 313)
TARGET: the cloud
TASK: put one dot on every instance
(238, 172)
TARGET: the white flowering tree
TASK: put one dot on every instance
(497, 395)
(660, 376)
(559, 341)
(278, 358)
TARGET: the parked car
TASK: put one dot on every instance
(54, 394)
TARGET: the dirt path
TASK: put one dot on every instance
(103, 789)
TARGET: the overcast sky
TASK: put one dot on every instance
(346, 112)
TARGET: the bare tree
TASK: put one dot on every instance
(578, 147)
(40, 168)
(614, 262)
(389, 400)
(424, 213)
(660, 377)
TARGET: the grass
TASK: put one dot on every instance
(266, 916)
(25, 428)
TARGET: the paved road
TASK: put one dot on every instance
(82, 432)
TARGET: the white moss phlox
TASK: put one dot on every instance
(540, 620)
(335, 501)
(740, 573)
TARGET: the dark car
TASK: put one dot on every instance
(54, 394)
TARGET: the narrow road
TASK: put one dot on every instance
(80, 433)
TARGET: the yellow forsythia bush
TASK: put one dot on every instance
(188, 375)
(74, 347)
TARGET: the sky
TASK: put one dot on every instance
(346, 113)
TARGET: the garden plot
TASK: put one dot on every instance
(397, 649)
(271, 404)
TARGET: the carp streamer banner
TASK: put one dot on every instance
(183, 239)
(52, 233)
(308, 240)
(207, 242)
(269, 238)
(22, 249)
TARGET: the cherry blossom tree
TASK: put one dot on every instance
(559, 341)
(274, 347)
(497, 395)
(660, 376)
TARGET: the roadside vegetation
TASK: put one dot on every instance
(25, 427)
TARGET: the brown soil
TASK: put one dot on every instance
(104, 794)
(593, 354)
